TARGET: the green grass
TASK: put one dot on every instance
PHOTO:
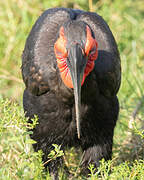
(19, 161)
(17, 158)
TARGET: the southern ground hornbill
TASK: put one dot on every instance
(71, 69)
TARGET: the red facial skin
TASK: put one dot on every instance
(61, 54)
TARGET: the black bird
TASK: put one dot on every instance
(72, 72)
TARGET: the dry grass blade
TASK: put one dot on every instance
(11, 78)
(91, 5)
(135, 112)
(8, 76)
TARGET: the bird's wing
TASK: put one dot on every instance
(107, 65)
(38, 60)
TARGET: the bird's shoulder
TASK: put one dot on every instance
(108, 65)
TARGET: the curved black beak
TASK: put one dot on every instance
(76, 62)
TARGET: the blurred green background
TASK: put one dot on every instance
(126, 21)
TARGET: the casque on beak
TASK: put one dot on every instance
(76, 62)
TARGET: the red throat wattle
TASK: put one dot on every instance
(61, 55)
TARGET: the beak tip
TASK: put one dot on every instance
(78, 122)
(78, 135)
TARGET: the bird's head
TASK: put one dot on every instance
(76, 51)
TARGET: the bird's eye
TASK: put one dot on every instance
(68, 61)
(60, 46)
(92, 51)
